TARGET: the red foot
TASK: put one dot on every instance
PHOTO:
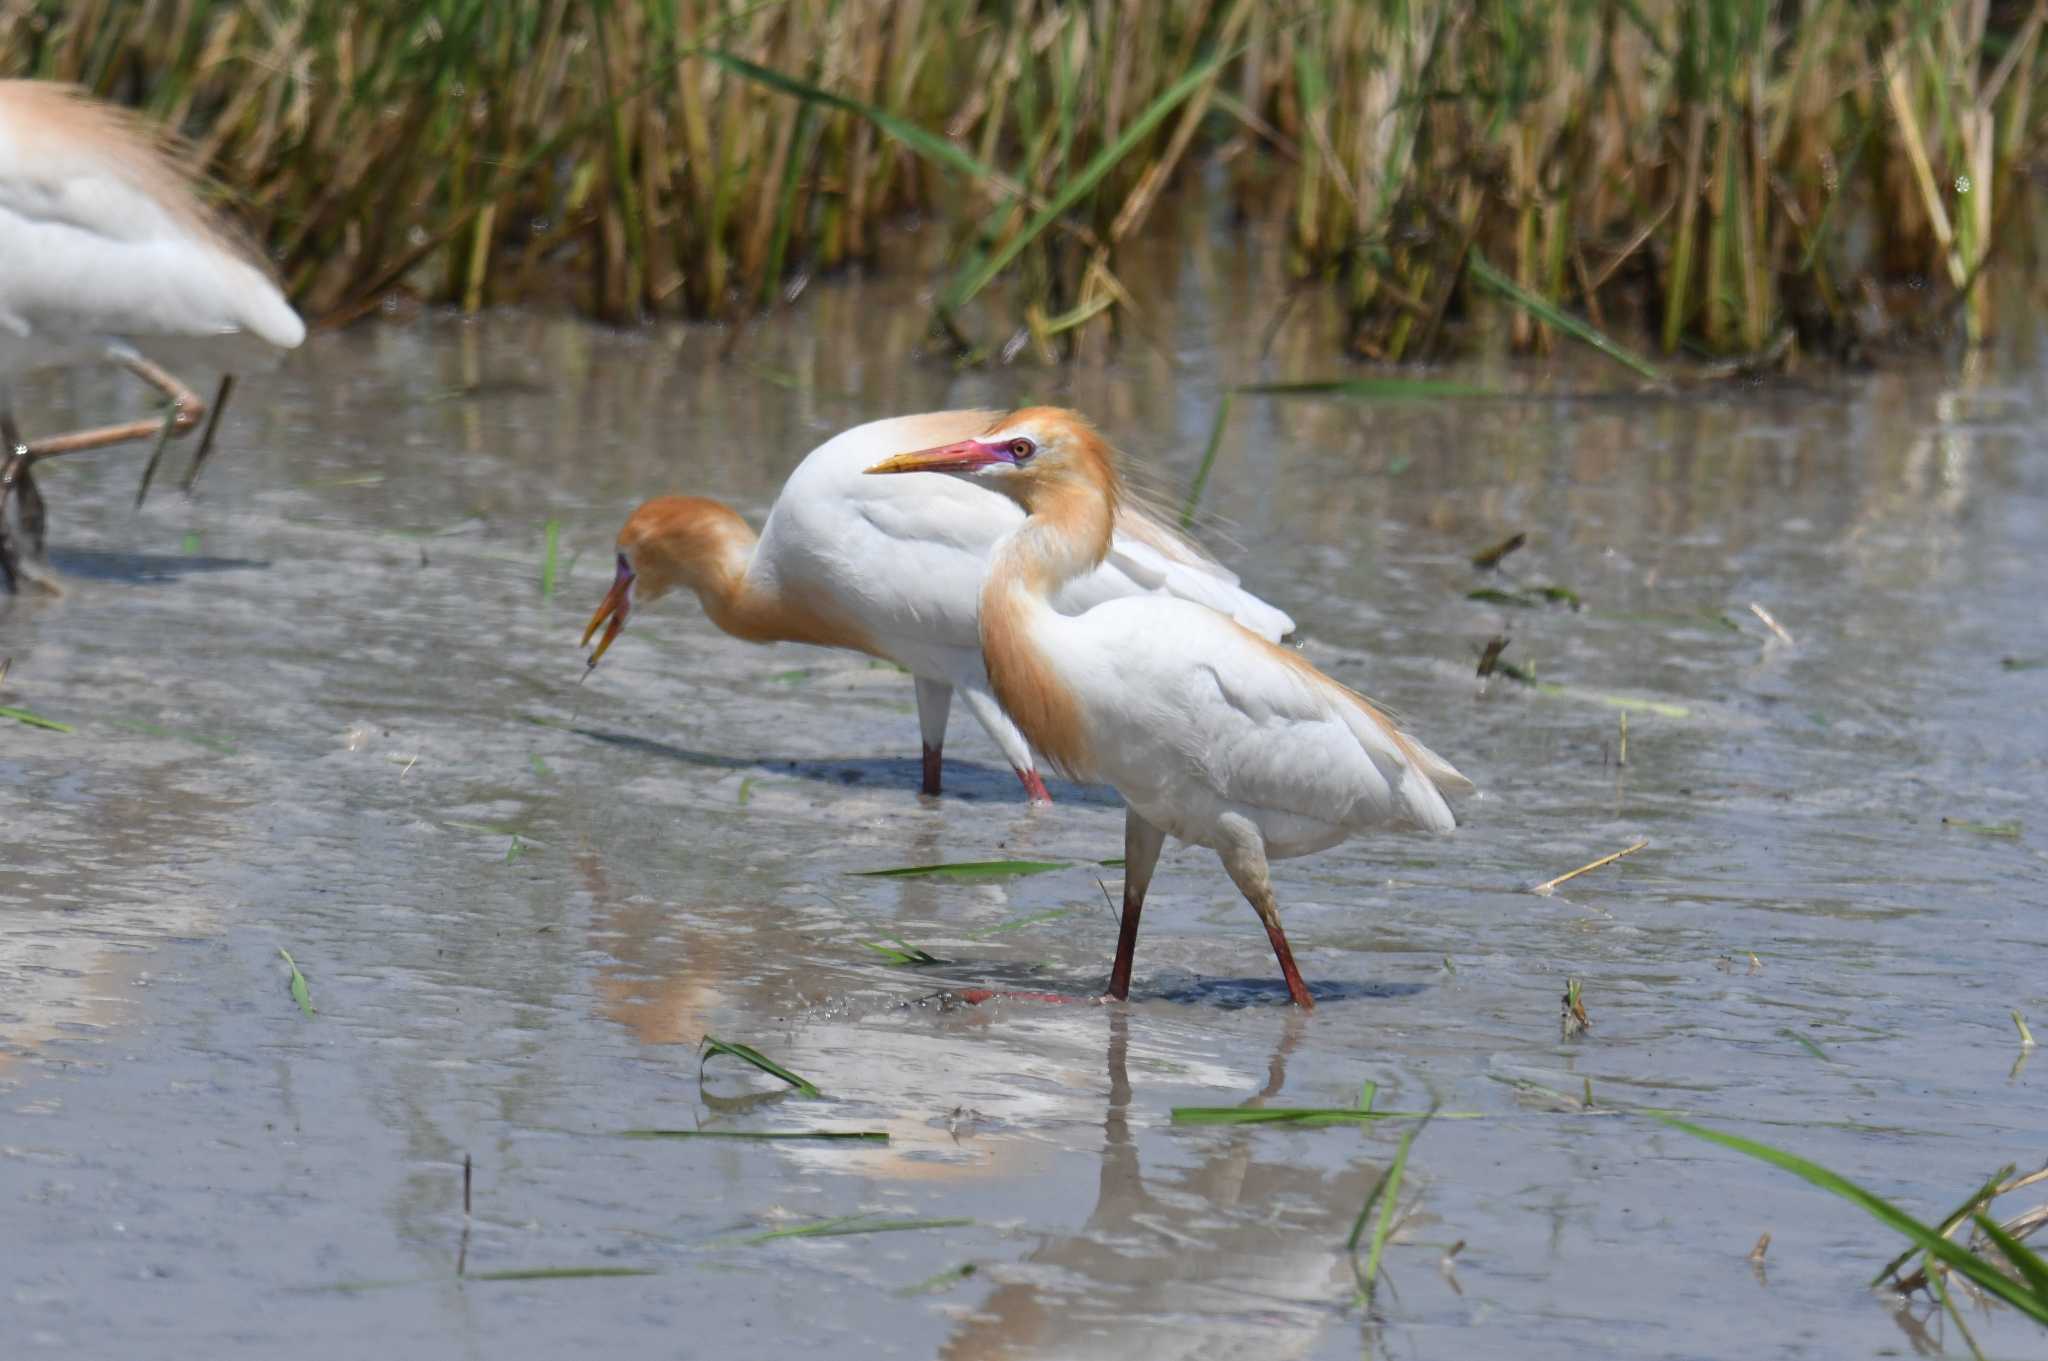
(1034, 785)
(931, 770)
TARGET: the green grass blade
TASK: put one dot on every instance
(1543, 310)
(966, 869)
(1388, 1194)
(1803, 1042)
(301, 994)
(2025, 1260)
(924, 142)
(33, 720)
(978, 277)
(1982, 1273)
(903, 952)
(549, 558)
(558, 1273)
(747, 1054)
(1187, 512)
(1308, 1117)
(2007, 830)
(848, 1225)
(1979, 1198)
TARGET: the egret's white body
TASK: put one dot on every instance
(105, 253)
(1211, 733)
(893, 568)
(102, 240)
(1203, 732)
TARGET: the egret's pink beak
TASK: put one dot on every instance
(963, 457)
(617, 604)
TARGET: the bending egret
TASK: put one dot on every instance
(103, 245)
(892, 569)
(1211, 733)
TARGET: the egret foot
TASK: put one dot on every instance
(1034, 786)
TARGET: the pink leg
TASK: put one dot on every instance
(1142, 842)
(931, 769)
(1245, 858)
(1296, 989)
(1034, 786)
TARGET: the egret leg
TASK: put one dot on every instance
(1244, 856)
(186, 411)
(220, 404)
(20, 552)
(934, 702)
(1141, 854)
(990, 715)
(13, 462)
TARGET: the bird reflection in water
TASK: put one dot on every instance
(1233, 1255)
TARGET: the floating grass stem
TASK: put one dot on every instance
(845, 1226)
(33, 720)
(1549, 886)
(854, 1136)
(967, 869)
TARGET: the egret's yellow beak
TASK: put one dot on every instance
(617, 604)
(963, 457)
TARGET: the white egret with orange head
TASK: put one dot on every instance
(1213, 734)
(893, 569)
(105, 247)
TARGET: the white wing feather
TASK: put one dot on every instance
(93, 244)
(1178, 700)
(907, 554)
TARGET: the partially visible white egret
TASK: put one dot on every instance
(105, 248)
(1213, 735)
(893, 569)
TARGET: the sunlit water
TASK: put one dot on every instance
(326, 707)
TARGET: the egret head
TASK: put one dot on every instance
(668, 542)
(1024, 453)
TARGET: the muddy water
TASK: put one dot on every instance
(326, 708)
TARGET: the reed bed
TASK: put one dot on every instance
(1718, 176)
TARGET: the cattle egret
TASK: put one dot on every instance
(1213, 735)
(105, 249)
(893, 568)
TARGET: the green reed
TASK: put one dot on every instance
(1723, 176)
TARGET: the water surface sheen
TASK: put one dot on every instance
(326, 707)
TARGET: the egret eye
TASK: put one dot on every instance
(1021, 449)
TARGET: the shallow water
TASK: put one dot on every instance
(343, 720)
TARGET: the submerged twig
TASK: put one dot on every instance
(1772, 624)
(1549, 886)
